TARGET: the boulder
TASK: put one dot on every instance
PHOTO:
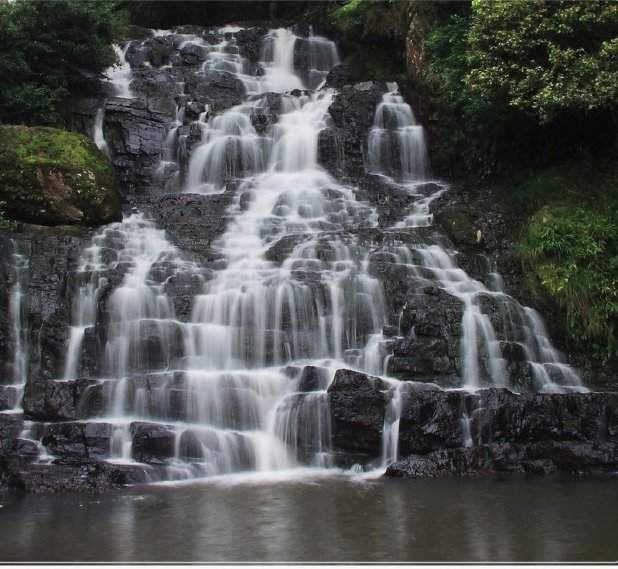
(50, 400)
(11, 425)
(152, 442)
(357, 406)
(75, 442)
(8, 397)
(313, 378)
(55, 177)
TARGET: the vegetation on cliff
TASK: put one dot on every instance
(523, 92)
(570, 249)
(47, 50)
(50, 176)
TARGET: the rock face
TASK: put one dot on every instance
(352, 115)
(532, 458)
(135, 130)
(491, 430)
(430, 349)
(53, 177)
(357, 407)
(151, 134)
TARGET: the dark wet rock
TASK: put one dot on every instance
(478, 267)
(220, 89)
(391, 201)
(532, 458)
(501, 415)
(182, 288)
(159, 50)
(434, 419)
(156, 345)
(74, 442)
(282, 248)
(52, 255)
(135, 130)
(152, 442)
(338, 76)
(91, 476)
(192, 221)
(91, 354)
(313, 378)
(430, 322)
(431, 419)
(433, 313)
(266, 114)
(352, 112)
(8, 397)
(357, 406)
(50, 400)
(330, 151)
(17, 451)
(460, 226)
(11, 424)
(190, 446)
(249, 43)
(157, 84)
(423, 359)
(91, 399)
(192, 54)
(84, 109)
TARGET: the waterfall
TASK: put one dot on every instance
(167, 176)
(97, 135)
(18, 314)
(234, 376)
(120, 74)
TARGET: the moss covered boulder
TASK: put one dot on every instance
(52, 177)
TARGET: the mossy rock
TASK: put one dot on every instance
(459, 224)
(53, 177)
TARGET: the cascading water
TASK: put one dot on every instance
(239, 382)
(120, 75)
(396, 143)
(230, 146)
(17, 309)
(98, 134)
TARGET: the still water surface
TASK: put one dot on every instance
(331, 519)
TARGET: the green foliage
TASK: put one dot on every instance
(570, 248)
(376, 20)
(545, 57)
(51, 176)
(5, 222)
(46, 50)
(518, 83)
(373, 33)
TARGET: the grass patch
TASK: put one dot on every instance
(570, 249)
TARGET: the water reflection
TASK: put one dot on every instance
(330, 520)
